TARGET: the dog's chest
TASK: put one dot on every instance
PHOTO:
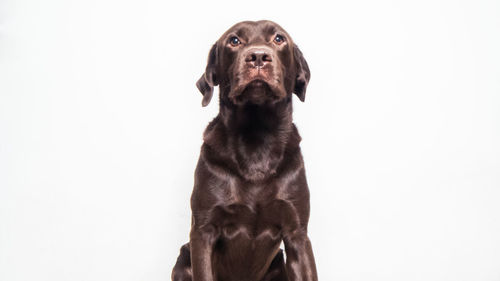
(252, 212)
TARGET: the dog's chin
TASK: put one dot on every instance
(257, 92)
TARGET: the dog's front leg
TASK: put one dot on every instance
(201, 242)
(300, 263)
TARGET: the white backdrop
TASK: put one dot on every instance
(101, 125)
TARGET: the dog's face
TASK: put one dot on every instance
(255, 62)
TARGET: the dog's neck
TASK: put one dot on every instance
(255, 124)
(256, 136)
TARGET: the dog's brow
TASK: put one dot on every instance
(270, 29)
(242, 32)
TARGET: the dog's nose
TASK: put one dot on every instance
(258, 57)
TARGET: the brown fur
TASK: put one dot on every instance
(250, 191)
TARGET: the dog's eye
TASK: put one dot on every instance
(279, 39)
(234, 41)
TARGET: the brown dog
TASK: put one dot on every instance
(250, 190)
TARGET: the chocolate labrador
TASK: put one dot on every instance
(250, 191)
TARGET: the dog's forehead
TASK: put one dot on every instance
(254, 29)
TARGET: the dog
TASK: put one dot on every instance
(250, 190)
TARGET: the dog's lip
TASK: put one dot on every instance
(270, 85)
(257, 82)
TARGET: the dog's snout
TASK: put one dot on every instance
(258, 57)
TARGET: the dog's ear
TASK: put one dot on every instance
(303, 74)
(208, 80)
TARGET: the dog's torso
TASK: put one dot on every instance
(250, 191)
(248, 218)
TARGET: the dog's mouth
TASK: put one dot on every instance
(257, 91)
(257, 83)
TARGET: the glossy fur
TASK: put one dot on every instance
(250, 191)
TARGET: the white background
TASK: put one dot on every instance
(101, 125)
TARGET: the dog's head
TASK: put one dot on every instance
(254, 62)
